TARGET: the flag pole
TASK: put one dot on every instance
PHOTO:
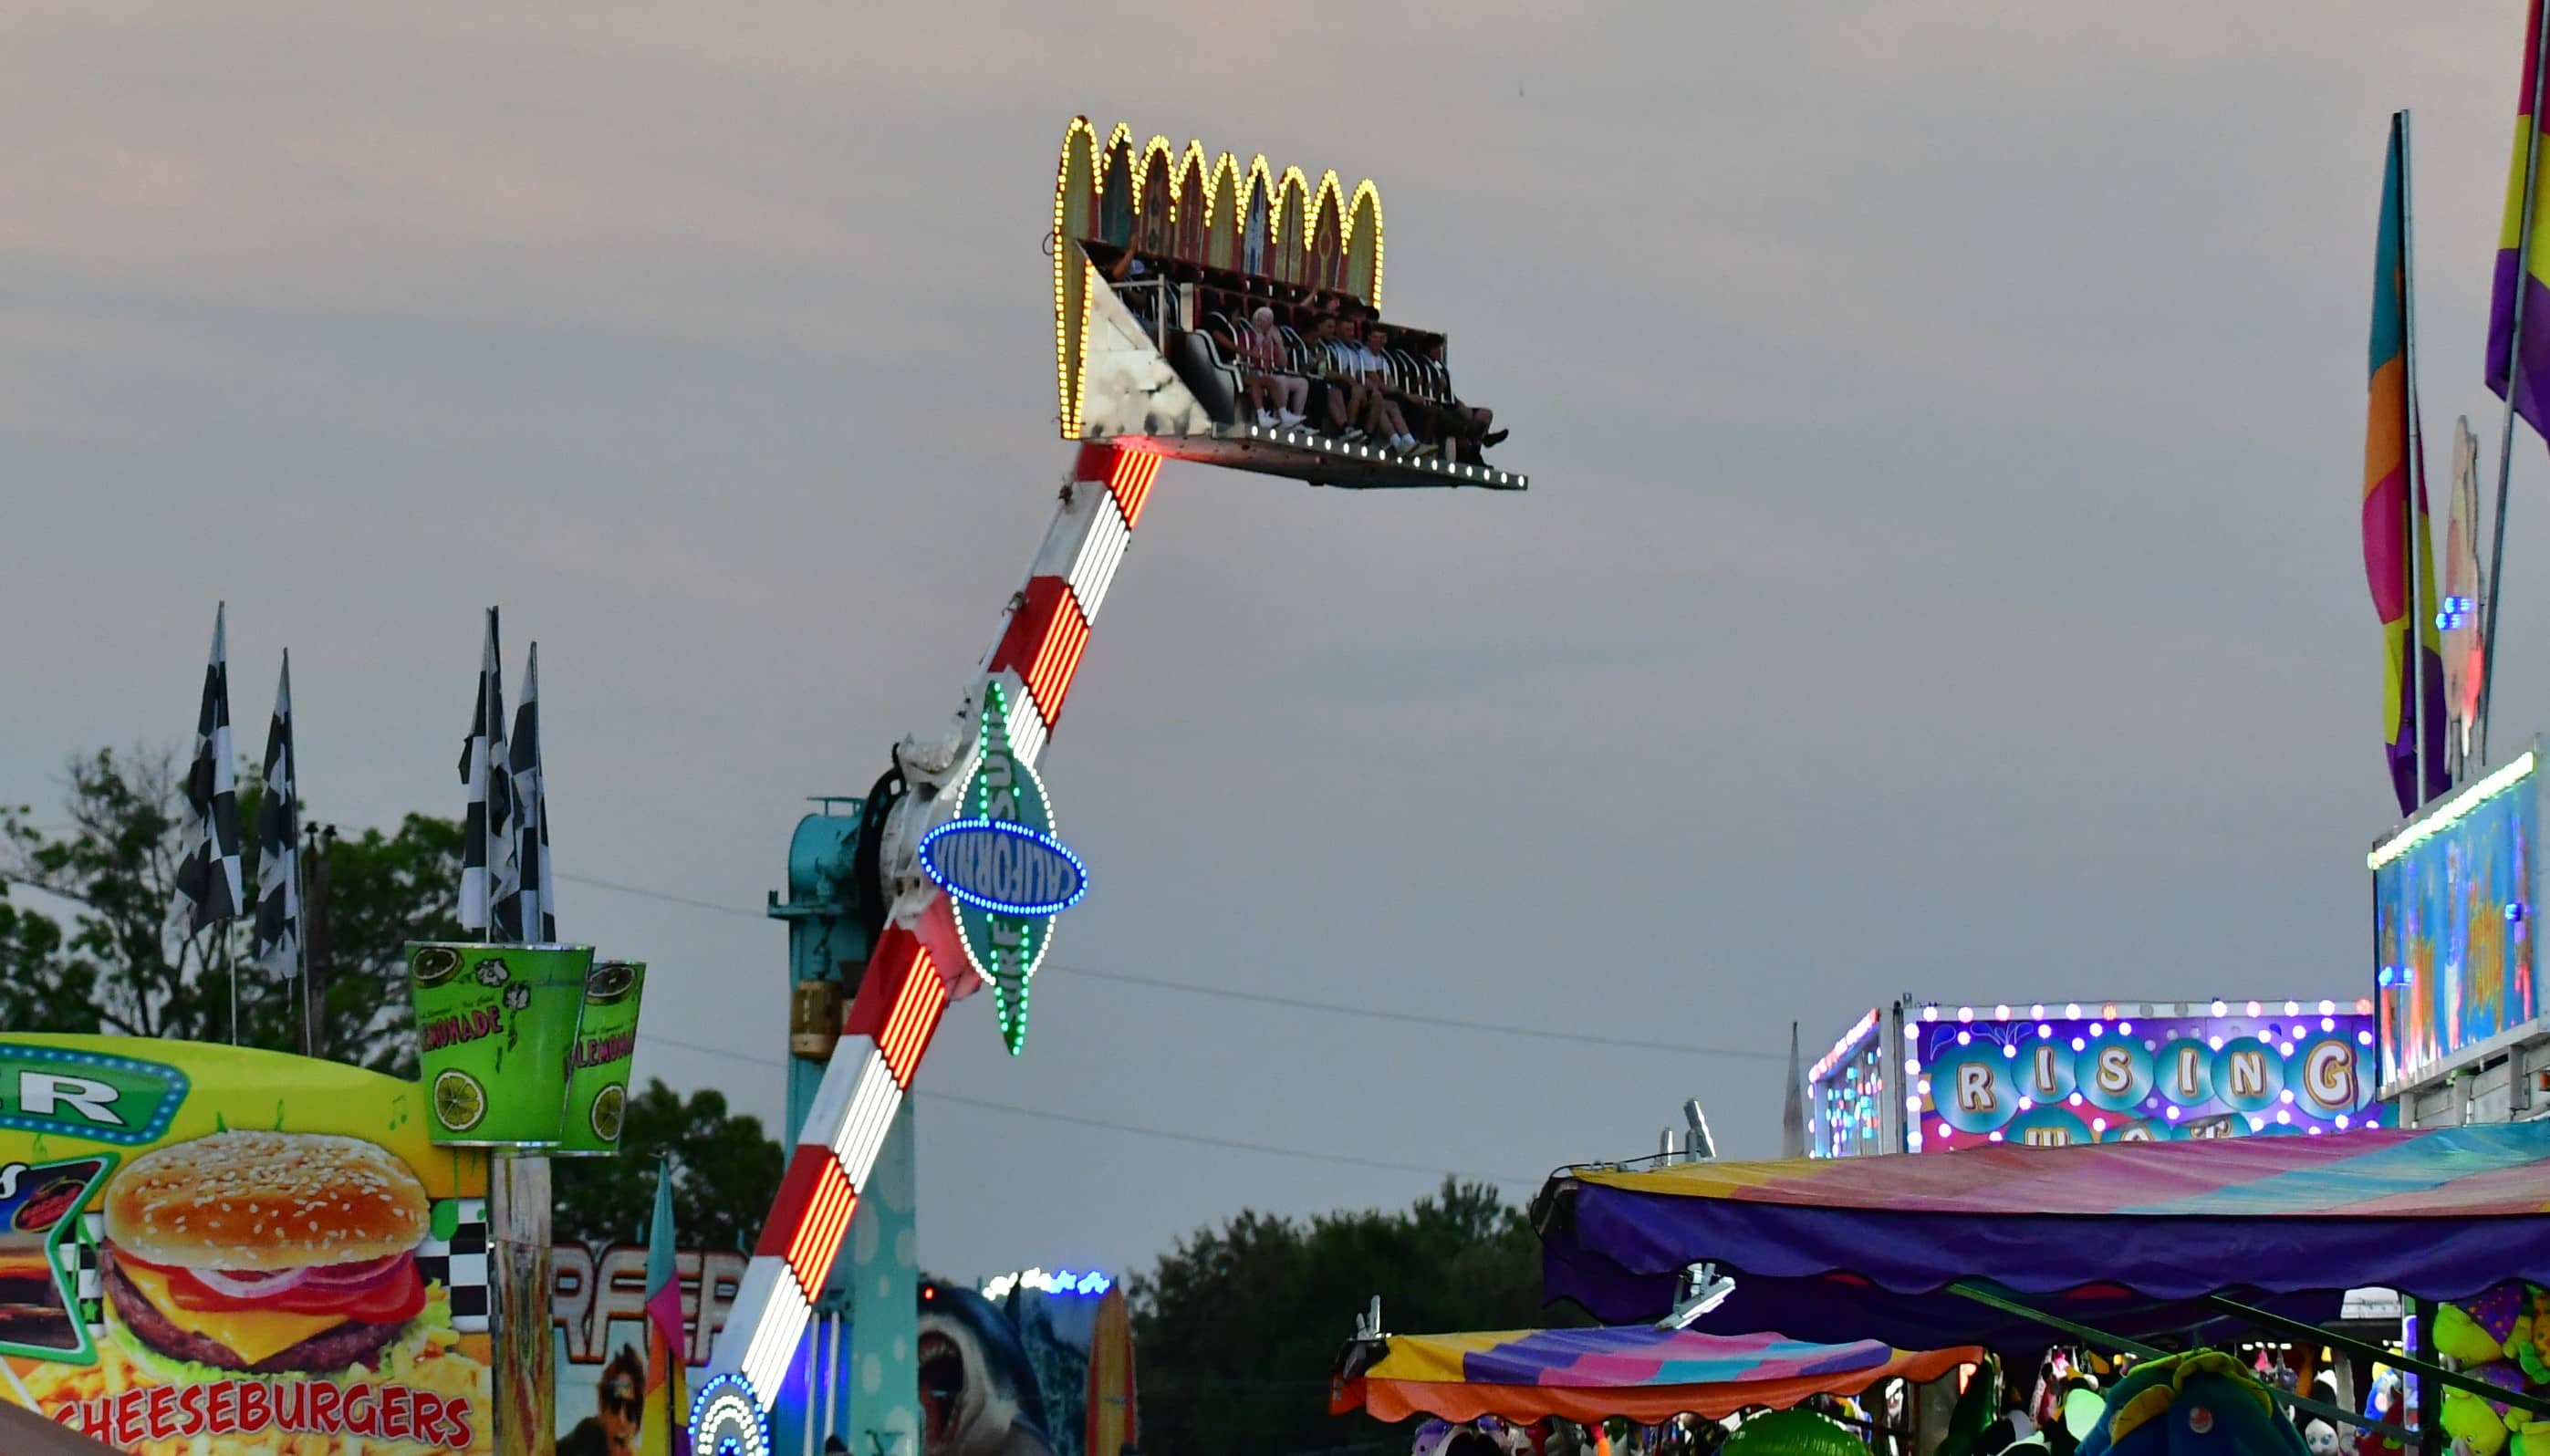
(2408, 536)
(2513, 382)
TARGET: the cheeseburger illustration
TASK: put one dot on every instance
(268, 1253)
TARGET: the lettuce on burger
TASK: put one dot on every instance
(268, 1253)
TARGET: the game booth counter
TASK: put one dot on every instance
(2120, 1246)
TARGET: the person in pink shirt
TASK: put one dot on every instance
(1270, 374)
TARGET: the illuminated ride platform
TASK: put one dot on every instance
(1161, 264)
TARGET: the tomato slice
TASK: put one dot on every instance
(398, 1294)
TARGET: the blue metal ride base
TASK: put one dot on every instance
(855, 1376)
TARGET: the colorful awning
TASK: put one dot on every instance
(2442, 1214)
(1638, 1370)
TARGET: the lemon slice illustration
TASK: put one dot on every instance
(459, 1101)
(608, 1106)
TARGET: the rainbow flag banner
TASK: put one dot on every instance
(2519, 369)
(665, 1417)
(2388, 433)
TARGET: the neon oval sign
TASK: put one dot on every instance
(1003, 867)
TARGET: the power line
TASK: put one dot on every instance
(1299, 1003)
(643, 893)
(1201, 1141)
(1135, 1129)
(1500, 1028)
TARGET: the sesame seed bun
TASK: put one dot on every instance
(265, 1200)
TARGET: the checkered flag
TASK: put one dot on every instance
(279, 842)
(532, 913)
(208, 879)
(489, 867)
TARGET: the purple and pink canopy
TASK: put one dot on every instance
(2144, 1229)
(1637, 1372)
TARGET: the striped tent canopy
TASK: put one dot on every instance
(1638, 1372)
(2440, 1215)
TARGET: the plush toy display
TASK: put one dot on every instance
(2194, 1405)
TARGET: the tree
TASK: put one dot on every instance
(1237, 1327)
(110, 962)
(724, 1175)
(119, 965)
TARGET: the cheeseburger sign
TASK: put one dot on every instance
(215, 1251)
(2050, 1076)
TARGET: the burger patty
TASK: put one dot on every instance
(354, 1342)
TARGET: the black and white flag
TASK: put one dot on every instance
(532, 913)
(279, 842)
(489, 868)
(208, 879)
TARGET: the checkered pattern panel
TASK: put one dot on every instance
(459, 1264)
(79, 1258)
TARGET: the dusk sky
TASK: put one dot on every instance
(1940, 574)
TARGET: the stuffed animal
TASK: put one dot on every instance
(2487, 1425)
(2321, 1438)
(2479, 1330)
(2201, 1404)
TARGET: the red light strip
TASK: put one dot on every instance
(818, 1238)
(1043, 643)
(1130, 483)
(914, 1018)
(815, 1179)
(1060, 656)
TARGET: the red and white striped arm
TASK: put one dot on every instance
(902, 996)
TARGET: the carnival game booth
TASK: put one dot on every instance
(2112, 1244)
(1636, 1372)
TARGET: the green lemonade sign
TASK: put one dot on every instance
(493, 1027)
(606, 1043)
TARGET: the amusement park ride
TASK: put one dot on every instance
(1174, 279)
